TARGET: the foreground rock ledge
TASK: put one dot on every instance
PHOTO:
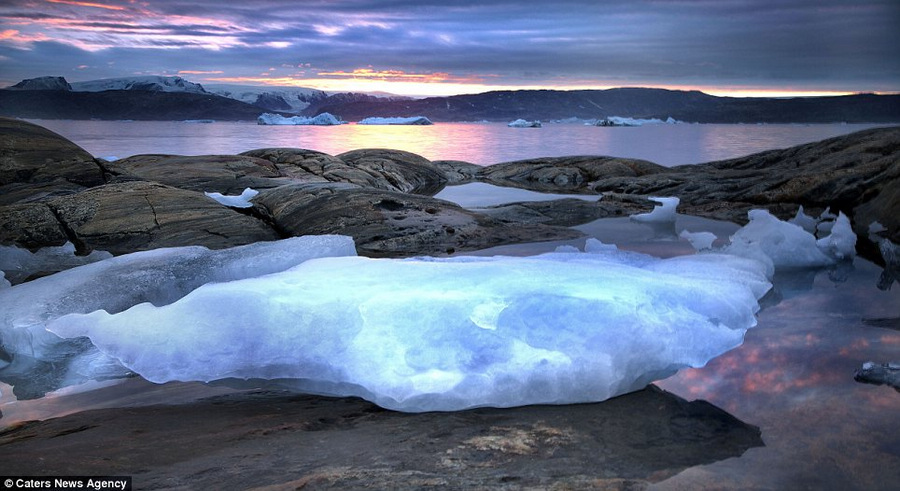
(274, 440)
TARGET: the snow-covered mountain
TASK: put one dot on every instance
(284, 99)
(150, 83)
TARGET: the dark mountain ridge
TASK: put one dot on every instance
(689, 106)
(504, 106)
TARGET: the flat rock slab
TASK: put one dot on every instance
(135, 216)
(278, 440)
(384, 223)
(566, 174)
(226, 174)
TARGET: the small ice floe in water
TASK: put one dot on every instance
(240, 201)
(876, 228)
(425, 334)
(663, 213)
(521, 123)
(879, 374)
(781, 244)
(700, 241)
(410, 121)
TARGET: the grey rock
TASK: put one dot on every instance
(33, 155)
(275, 440)
(30, 226)
(458, 171)
(134, 216)
(226, 174)
(385, 223)
(403, 171)
(390, 170)
(566, 174)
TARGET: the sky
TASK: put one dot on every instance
(446, 47)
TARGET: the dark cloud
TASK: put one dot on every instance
(821, 45)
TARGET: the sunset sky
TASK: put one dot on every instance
(427, 47)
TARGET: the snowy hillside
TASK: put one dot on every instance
(286, 99)
(147, 83)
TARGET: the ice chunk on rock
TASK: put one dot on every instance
(664, 213)
(428, 334)
(240, 201)
(159, 276)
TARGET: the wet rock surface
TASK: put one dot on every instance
(276, 440)
(566, 174)
(384, 223)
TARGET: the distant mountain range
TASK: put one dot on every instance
(174, 98)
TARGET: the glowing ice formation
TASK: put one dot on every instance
(446, 334)
(159, 276)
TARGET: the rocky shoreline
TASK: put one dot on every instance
(52, 191)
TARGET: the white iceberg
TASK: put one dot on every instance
(521, 123)
(620, 121)
(664, 213)
(414, 120)
(324, 119)
(428, 334)
(240, 201)
(781, 244)
(159, 276)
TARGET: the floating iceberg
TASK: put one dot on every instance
(521, 123)
(415, 121)
(620, 121)
(159, 276)
(664, 213)
(429, 334)
(324, 119)
(782, 244)
(700, 241)
(240, 201)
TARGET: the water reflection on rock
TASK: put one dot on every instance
(278, 438)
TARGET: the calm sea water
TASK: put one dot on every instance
(479, 143)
